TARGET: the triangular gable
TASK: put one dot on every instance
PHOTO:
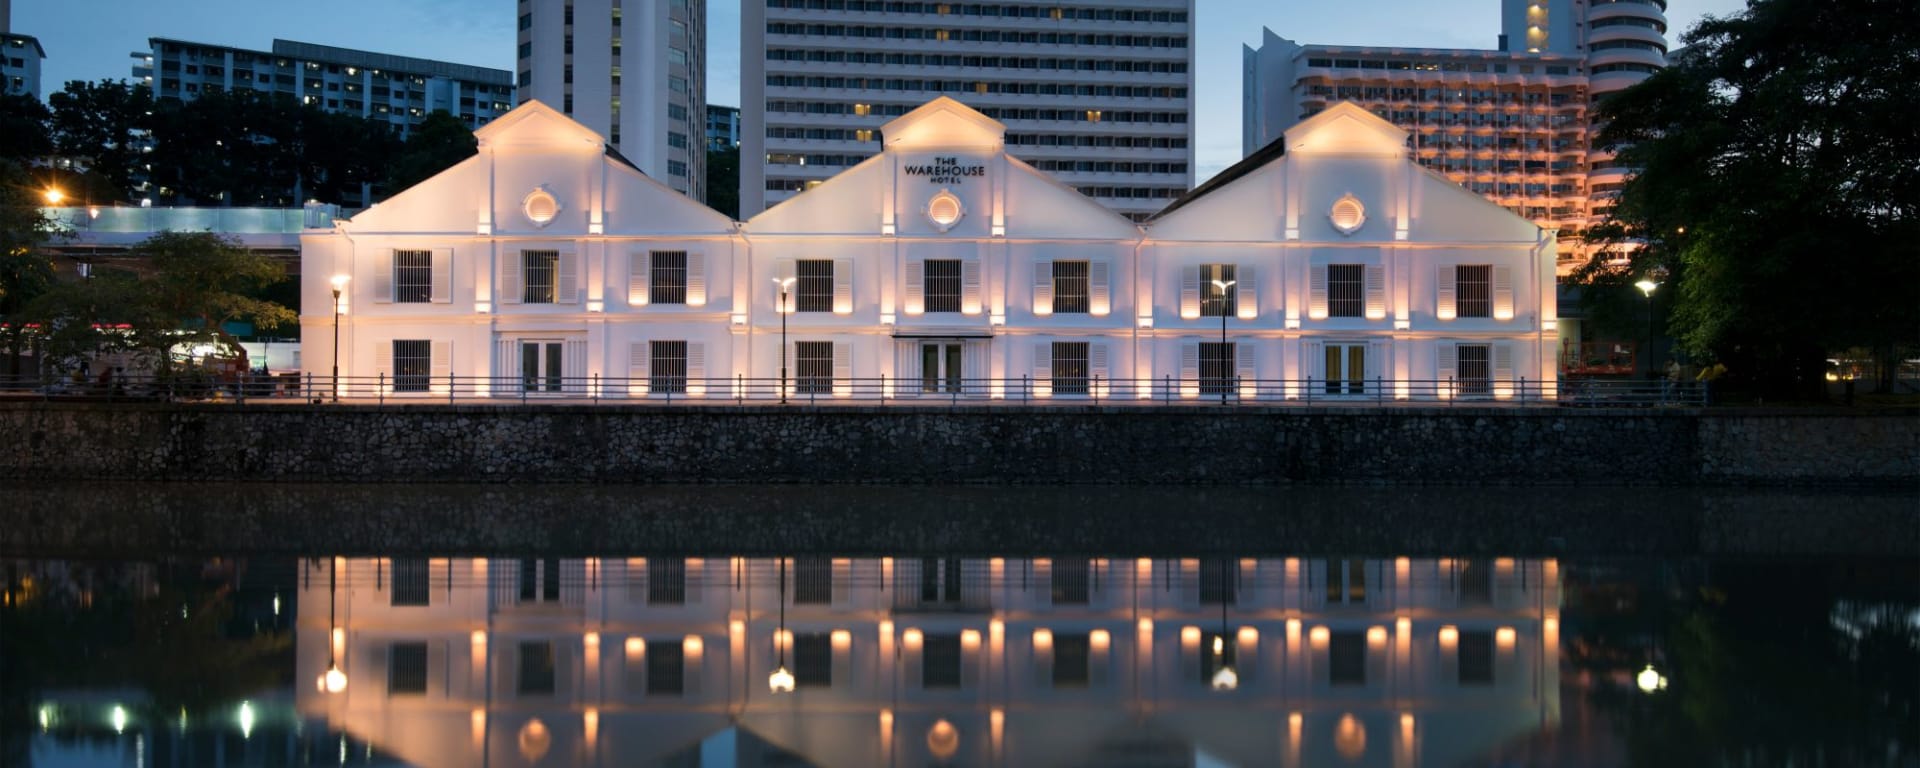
(536, 124)
(943, 122)
(1345, 129)
(445, 203)
(826, 208)
(639, 204)
(1447, 212)
(1039, 205)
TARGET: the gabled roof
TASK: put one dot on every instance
(1259, 159)
(943, 122)
(534, 124)
(1344, 128)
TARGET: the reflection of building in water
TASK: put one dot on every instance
(911, 661)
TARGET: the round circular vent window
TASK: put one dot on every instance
(945, 210)
(540, 206)
(1348, 214)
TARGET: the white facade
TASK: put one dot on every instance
(942, 266)
(635, 72)
(20, 57)
(1098, 95)
(924, 661)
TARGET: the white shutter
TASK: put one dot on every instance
(512, 277)
(696, 279)
(1246, 295)
(506, 366)
(1314, 366)
(970, 286)
(1376, 292)
(1098, 369)
(842, 286)
(1317, 292)
(440, 368)
(1503, 293)
(916, 302)
(1444, 370)
(1189, 369)
(567, 282)
(1043, 288)
(1444, 307)
(383, 363)
(696, 369)
(442, 275)
(1042, 369)
(383, 280)
(842, 368)
(573, 365)
(1247, 367)
(1503, 362)
(907, 368)
(639, 271)
(639, 365)
(1189, 292)
(1099, 287)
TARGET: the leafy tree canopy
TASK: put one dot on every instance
(438, 143)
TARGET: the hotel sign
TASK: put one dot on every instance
(947, 171)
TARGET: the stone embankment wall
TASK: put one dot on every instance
(680, 444)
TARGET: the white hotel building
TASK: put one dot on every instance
(545, 267)
(932, 660)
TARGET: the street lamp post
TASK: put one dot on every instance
(782, 308)
(1222, 286)
(339, 283)
(1646, 287)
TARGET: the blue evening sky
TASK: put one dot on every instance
(91, 39)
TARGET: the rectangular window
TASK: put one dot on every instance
(1071, 661)
(412, 364)
(407, 669)
(536, 669)
(542, 273)
(940, 662)
(413, 277)
(813, 367)
(1219, 581)
(667, 277)
(1070, 289)
(666, 581)
(1070, 367)
(1070, 577)
(676, 140)
(409, 581)
(1346, 295)
(1216, 368)
(1473, 297)
(666, 668)
(1474, 378)
(1218, 301)
(667, 371)
(812, 581)
(1476, 658)
(1347, 658)
(813, 285)
(813, 661)
(676, 84)
(943, 285)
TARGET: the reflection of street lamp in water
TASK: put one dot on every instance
(781, 681)
(333, 681)
(1224, 678)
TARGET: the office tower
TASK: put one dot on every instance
(398, 90)
(1513, 123)
(1099, 95)
(632, 70)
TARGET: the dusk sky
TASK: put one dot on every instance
(91, 39)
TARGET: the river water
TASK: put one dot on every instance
(162, 625)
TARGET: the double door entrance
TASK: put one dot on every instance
(1345, 369)
(942, 366)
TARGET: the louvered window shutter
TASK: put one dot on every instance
(639, 271)
(916, 287)
(574, 365)
(1247, 367)
(1043, 288)
(383, 281)
(383, 367)
(696, 368)
(696, 279)
(1444, 307)
(1376, 292)
(1043, 361)
(842, 286)
(442, 275)
(1317, 292)
(1503, 293)
(1189, 369)
(970, 287)
(567, 282)
(1098, 369)
(1189, 292)
(1099, 287)
(1447, 356)
(440, 367)
(639, 363)
(1503, 362)
(512, 277)
(1246, 294)
(506, 361)
(842, 369)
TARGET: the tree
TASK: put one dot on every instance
(1779, 188)
(25, 271)
(723, 180)
(438, 143)
(200, 282)
(106, 123)
(24, 132)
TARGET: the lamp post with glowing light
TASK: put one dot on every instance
(781, 681)
(1650, 680)
(782, 308)
(339, 283)
(1222, 286)
(1646, 286)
